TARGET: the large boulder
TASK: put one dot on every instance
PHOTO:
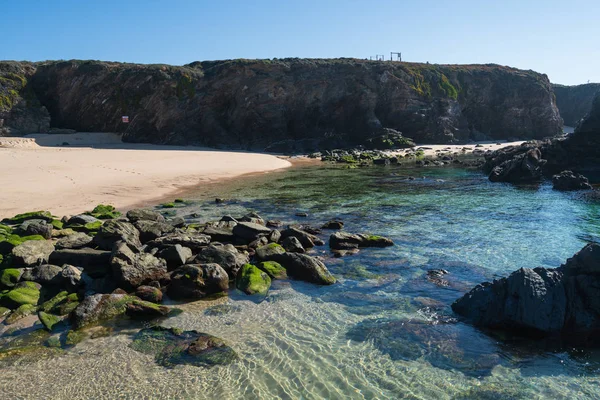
(525, 167)
(306, 239)
(114, 231)
(252, 280)
(131, 269)
(140, 214)
(227, 256)
(305, 267)
(249, 231)
(192, 240)
(74, 241)
(345, 241)
(568, 181)
(175, 256)
(292, 245)
(32, 252)
(45, 275)
(564, 300)
(196, 281)
(150, 230)
(35, 227)
(103, 307)
(96, 263)
(266, 252)
(81, 219)
(219, 234)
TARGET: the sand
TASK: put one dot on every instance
(435, 149)
(40, 173)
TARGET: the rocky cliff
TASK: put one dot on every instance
(574, 102)
(579, 152)
(255, 103)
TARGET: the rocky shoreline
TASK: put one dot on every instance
(70, 279)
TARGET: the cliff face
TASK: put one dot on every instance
(574, 102)
(252, 104)
(20, 109)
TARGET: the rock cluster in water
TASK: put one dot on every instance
(79, 272)
(563, 301)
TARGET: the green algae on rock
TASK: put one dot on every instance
(252, 280)
(263, 253)
(20, 218)
(23, 293)
(273, 269)
(10, 277)
(171, 347)
(102, 211)
(49, 320)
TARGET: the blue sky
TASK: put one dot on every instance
(559, 38)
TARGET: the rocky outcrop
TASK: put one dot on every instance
(578, 152)
(564, 300)
(301, 104)
(567, 181)
(574, 102)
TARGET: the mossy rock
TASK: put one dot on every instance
(168, 205)
(73, 338)
(57, 224)
(4, 311)
(7, 243)
(52, 304)
(20, 218)
(21, 312)
(10, 277)
(102, 211)
(49, 320)
(24, 293)
(252, 280)
(5, 230)
(263, 253)
(29, 347)
(171, 347)
(179, 201)
(273, 269)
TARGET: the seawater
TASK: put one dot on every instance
(384, 330)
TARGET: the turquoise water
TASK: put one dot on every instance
(385, 330)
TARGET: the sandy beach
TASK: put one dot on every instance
(431, 150)
(40, 172)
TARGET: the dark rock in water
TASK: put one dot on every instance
(274, 223)
(301, 214)
(525, 167)
(144, 215)
(448, 346)
(74, 241)
(194, 241)
(292, 244)
(306, 239)
(114, 231)
(149, 293)
(31, 253)
(308, 229)
(249, 231)
(150, 230)
(227, 256)
(437, 276)
(254, 218)
(103, 307)
(251, 280)
(304, 267)
(563, 301)
(567, 181)
(131, 269)
(345, 241)
(35, 227)
(175, 256)
(196, 281)
(333, 224)
(172, 347)
(274, 236)
(96, 263)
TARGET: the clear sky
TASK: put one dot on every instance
(559, 38)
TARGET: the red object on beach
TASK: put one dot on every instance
(125, 119)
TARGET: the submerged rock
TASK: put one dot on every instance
(567, 181)
(546, 301)
(172, 347)
(103, 307)
(306, 239)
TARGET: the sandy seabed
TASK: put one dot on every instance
(42, 172)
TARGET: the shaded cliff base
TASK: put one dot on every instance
(67, 179)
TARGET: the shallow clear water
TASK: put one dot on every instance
(385, 330)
